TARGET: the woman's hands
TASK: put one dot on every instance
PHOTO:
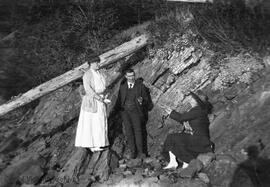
(107, 101)
(104, 99)
(101, 98)
(187, 128)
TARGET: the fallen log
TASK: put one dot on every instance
(58, 82)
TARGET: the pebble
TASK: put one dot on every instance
(204, 178)
(126, 173)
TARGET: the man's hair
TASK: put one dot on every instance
(129, 71)
(91, 56)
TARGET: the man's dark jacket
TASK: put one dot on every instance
(140, 91)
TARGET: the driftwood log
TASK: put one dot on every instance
(74, 74)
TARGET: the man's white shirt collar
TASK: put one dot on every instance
(130, 85)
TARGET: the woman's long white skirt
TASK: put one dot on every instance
(92, 128)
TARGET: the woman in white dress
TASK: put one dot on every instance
(92, 126)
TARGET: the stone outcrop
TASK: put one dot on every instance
(42, 140)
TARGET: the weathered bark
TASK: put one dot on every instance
(123, 50)
(57, 82)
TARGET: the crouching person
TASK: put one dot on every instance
(195, 139)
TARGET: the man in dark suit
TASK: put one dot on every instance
(134, 102)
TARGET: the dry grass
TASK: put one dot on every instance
(232, 27)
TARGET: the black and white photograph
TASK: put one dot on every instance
(134, 93)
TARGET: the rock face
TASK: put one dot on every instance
(37, 147)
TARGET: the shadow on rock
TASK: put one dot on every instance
(255, 171)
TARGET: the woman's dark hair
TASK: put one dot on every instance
(202, 101)
(91, 56)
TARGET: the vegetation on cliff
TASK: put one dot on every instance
(185, 54)
(52, 37)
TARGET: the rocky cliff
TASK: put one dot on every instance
(37, 144)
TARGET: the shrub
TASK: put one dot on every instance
(231, 26)
(53, 35)
(167, 28)
(237, 69)
(54, 43)
(15, 76)
(228, 26)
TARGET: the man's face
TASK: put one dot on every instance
(130, 76)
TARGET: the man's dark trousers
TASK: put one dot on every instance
(133, 128)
